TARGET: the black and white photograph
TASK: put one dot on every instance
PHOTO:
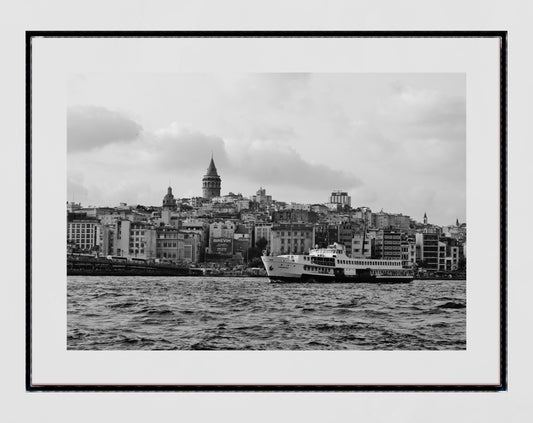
(266, 211)
(309, 211)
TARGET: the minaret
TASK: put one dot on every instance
(211, 182)
(425, 219)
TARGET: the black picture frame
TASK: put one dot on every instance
(501, 386)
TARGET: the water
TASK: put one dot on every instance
(205, 313)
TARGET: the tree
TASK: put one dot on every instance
(255, 262)
(254, 252)
(261, 243)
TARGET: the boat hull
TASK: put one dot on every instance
(306, 279)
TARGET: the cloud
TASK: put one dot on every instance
(91, 127)
(423, 113)
(272, 89)
(181, 148)
(282, 165)
(176, 148)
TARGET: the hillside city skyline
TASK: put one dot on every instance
(233, 230)
(250, 197)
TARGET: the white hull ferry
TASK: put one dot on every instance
(332, 265)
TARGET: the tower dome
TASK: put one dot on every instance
(169, 201)
(211, 182)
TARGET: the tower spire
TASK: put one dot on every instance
(211, 181)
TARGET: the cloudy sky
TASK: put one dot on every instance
(395, 142)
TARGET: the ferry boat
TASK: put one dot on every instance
(331, 265)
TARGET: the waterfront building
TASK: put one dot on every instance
(341, 198)
(408, 248)
(451, 253)
(429, 250)
(452, 258)
(347, 231)
(83, 232)
(362, 245)
(190, 246)
(442, 255)
(211, 182)
(221, 237)
(291, 238)
(242, 241)
(326, 234)
(388, 244)
(134, 239)
(177, 245)
(263, 230)
(167, 243)
(106, 240)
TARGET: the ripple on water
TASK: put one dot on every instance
(180, 313)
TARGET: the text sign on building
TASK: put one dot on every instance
(222, 246)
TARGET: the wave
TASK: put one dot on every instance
(326, 327)
(452, 304)
(122, 305)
